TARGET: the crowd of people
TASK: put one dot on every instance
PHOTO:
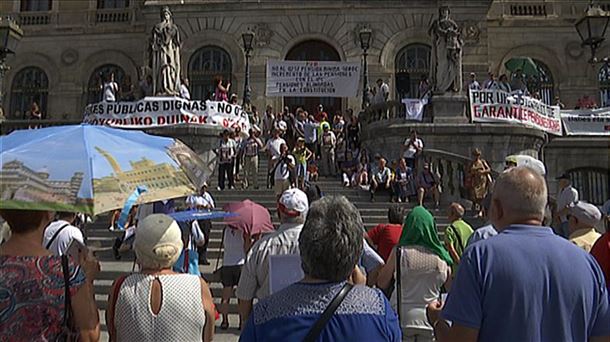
(398, 281)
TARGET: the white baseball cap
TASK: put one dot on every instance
(158, 241)
(293, 202)
(586, 213)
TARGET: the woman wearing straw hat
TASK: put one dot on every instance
(157, 304)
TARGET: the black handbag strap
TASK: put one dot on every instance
(55, 235)
(316, 330)
(67, 302)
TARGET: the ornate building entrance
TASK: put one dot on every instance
(313, 50)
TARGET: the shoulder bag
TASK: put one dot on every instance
(55, 235)
(317, 328)
(68, 332)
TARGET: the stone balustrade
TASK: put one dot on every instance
(525, 9)
(113, 15)
(34, 18)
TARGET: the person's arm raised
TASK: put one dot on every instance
(84, 309)
(210, 314)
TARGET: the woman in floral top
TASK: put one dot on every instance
(32, 284)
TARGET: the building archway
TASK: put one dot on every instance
(206, 65)
(97, 79)
(412, 62)
(30, 85)
(313, 50)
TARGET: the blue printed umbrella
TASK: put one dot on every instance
(93, 169)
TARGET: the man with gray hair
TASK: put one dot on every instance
(330, 245)
(254, 279)
(526, 283)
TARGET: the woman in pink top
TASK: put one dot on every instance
(220, 94)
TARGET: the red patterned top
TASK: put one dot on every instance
(32, 296)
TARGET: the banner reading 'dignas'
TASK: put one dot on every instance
(312, 78)
(166, 111)
(499, 106)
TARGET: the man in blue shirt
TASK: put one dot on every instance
(526, 283)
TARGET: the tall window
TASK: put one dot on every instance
(603, 76)
(208, 64)
(592, 183)
(30, 89)
(412, 62)
(97, 79)
(36, 5)
(110, 4)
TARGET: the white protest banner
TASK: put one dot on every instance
(586, 121)
(414, 108)
(166, 111)
(493, 105)
(312, 78)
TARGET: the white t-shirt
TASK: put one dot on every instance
(226, 151)
(566, 197)
(62, 241)
(184, 92)
(411, 150)
(382, 91)
(110, 89)
(273, 146)
(282, 171)
(204, 200)
(233, 243)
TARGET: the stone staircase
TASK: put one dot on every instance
(101, 239)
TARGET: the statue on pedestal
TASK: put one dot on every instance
(446, 57)
(165, 55)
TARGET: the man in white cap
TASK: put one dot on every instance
(254, 279)
(566, 196)
(582, 219)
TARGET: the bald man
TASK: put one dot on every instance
(457, 234)
(525, 284)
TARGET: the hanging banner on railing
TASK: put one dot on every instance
(312, 78)
(414, 108)
(499, 106)
(586, 121)
(166, 111)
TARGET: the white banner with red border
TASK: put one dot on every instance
(502, 107)
(153, 112)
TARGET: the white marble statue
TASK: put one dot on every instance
(165, 55)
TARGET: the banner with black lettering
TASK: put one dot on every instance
(586, 121)
(492, 105)
(166, 111)
(312, 78)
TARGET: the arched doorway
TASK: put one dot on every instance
(412, 62)
(206, 66)
(30, 86)
(313, 50)
(97, 79)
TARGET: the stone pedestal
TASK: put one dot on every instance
(450, 108)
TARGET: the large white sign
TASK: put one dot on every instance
(166, 111)
(586, 121)
(312, 78)
(499, 106)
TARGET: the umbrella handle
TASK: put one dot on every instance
(222, 246)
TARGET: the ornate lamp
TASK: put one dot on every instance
(592, 28)
(248, 38)
(365, 43)
(10, 35)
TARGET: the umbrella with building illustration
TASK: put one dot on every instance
(93, 169)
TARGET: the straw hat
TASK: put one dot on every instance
(158, 242)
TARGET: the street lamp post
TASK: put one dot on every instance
(10, 35)
(592, 28)
(365, 42)
(247, 38)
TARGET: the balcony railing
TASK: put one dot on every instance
(34, 18)
(528, 10)
(7, 126)
(113, 15)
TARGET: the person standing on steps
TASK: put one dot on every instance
(226, 159)
(232, 261)
(204, 201)
(250, 149)
(457, 234)
(327, 151)
(412, 149)
(273, 150)
(283, 171)
(566, 197)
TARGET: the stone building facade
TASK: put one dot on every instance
(70, 44)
